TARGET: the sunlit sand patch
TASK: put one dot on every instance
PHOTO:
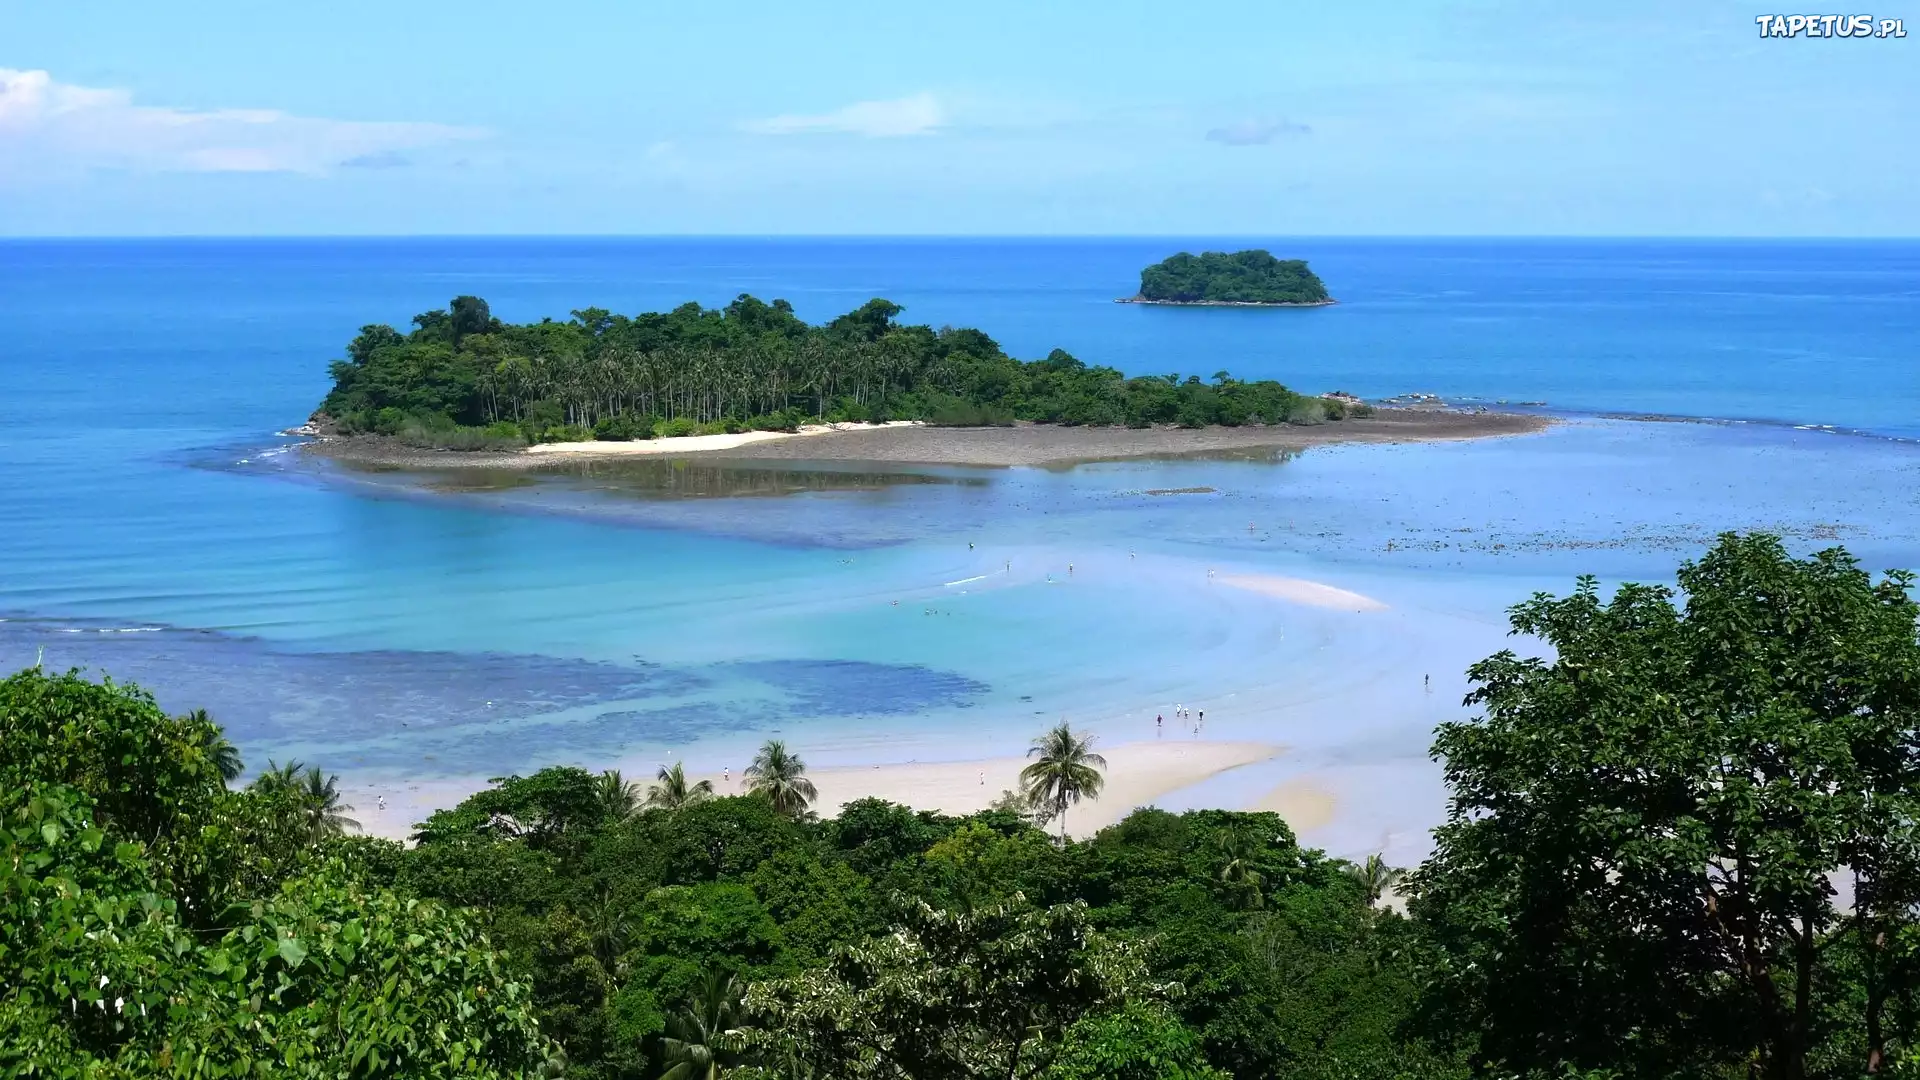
(1301, 591)
(1300, 804)
(689, 444)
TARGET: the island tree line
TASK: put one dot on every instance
(1639, 876)
(463, 379)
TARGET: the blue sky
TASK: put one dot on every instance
(1270, 118)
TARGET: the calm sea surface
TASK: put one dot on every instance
(158, 528)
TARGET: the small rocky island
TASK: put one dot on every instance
(1251, 278)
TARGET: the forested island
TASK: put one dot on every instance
(462, 379)
(1252, 278)
(1636, 878)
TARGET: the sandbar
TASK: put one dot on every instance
(1301, 803)
(1302, 591)
(907, 442)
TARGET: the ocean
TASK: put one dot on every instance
(159, 528)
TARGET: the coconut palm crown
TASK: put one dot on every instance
(619, 797)
(697, 1045)
(1376, 878)
(781, 776)
(1065, 770)
(224, 756)
(671, 791)
(317, 797)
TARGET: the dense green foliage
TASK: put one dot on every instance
(463, 379)
(153, 923)
(1242, 277)
(1648, 831)
(1684, 844)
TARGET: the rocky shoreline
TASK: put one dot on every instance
(1329, 302)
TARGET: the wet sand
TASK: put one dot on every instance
(1020, 444)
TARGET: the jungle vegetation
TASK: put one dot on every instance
(1683, 841)
(1242, 277)
(462, 379)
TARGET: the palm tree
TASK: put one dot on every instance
(673, 792)
(781, 776)
(213, 742)
(697, 1038)
(324, 812)
(1376, 878)
(1066, 771)
(619, 797)
(1238, 873)
(278, 777)
(316, 798)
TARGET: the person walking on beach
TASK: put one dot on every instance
(1159, 723)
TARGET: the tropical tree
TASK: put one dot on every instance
(1239, 871)
(701, 1039)
(1376, 878)
(672, 791)
(1065, 771)
(325, 813)
(986, 992)
(1638, 867)
(315, 797)
(221, 753)
(619, 797)
(781, 776)
(278, 777)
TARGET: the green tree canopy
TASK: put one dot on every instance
(1242, 277)
(461, 379)
(1639, 865)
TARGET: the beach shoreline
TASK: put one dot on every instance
(1024, 444)
(1137, 774)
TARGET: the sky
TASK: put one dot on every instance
(1273, 118)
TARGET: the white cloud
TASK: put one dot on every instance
(920, 114)
(49, 126)
(1255, 132)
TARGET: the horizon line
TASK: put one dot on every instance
(1720, 237)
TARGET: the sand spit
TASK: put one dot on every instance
(914, 443)
(1302, 591)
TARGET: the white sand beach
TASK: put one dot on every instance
(689, 444)
(1302, 591)
(1137, 774)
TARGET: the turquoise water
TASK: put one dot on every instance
(158, 528)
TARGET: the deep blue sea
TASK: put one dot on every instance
(157, 527)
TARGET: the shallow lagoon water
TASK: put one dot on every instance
(397, 625)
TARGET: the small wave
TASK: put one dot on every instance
(964, 580)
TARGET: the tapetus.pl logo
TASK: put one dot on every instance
(1829, 26)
